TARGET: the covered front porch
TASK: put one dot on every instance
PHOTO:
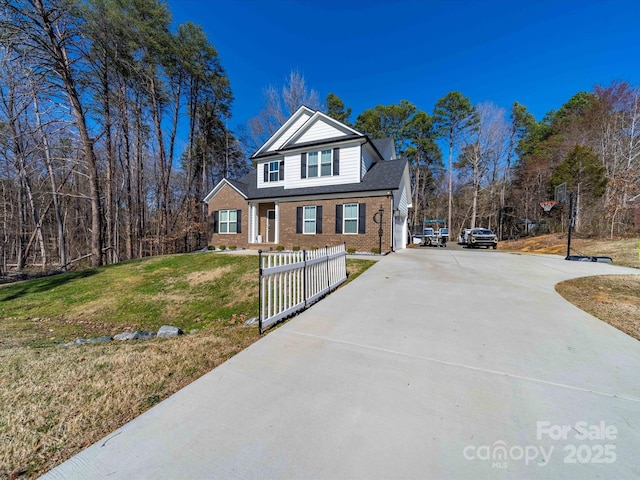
(263, 224)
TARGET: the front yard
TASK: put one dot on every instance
(55, 401)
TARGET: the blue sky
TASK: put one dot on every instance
(536, 52)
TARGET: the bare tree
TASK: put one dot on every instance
(15, 105)
(617, 140)
(483, 154)
(45, 31)
(295, 94)
(55, 197)
(280, 104)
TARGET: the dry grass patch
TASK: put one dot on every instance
(623, 251)
(198, 278)
(56, 401)
(613, 299)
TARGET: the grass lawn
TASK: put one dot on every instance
(56, 401)
(614, 299)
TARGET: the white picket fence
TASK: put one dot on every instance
(291, 281)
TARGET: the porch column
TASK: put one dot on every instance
(253, 230)
(277, 235)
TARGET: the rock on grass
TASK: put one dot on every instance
(167, 331)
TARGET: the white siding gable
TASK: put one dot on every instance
(319, 127)
(318, 131)
(284, 133)
(288, 133)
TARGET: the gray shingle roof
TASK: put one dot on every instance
(381, 176)
(384, 146)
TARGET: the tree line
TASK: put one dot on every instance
(112, 129)
(114, 125)
(481, 166)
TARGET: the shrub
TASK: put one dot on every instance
(211, 247)
(232, 247)
(279, 248)
(296, 248)
(223, 247)
(375, 250)
(351, 250)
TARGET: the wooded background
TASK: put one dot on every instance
(114, 126)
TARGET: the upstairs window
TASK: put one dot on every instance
(312, 167)
(323, 163)
(273, 171)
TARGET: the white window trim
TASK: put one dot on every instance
(319, 164)
(330, 163)
(227, 222)
(344, 218)
(305, 220)
(276, 171)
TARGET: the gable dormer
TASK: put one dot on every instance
(284, 133)
(317, 128)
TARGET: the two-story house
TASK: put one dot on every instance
(317, 182)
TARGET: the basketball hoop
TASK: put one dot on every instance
(548, 205)
(561, 193)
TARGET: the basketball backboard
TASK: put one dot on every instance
(561, 193)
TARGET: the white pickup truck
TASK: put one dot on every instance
(478, 237)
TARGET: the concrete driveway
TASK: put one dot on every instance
(434, 364)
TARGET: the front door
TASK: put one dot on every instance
(271, 226)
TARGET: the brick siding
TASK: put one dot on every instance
(360, 242)
(229, 199)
